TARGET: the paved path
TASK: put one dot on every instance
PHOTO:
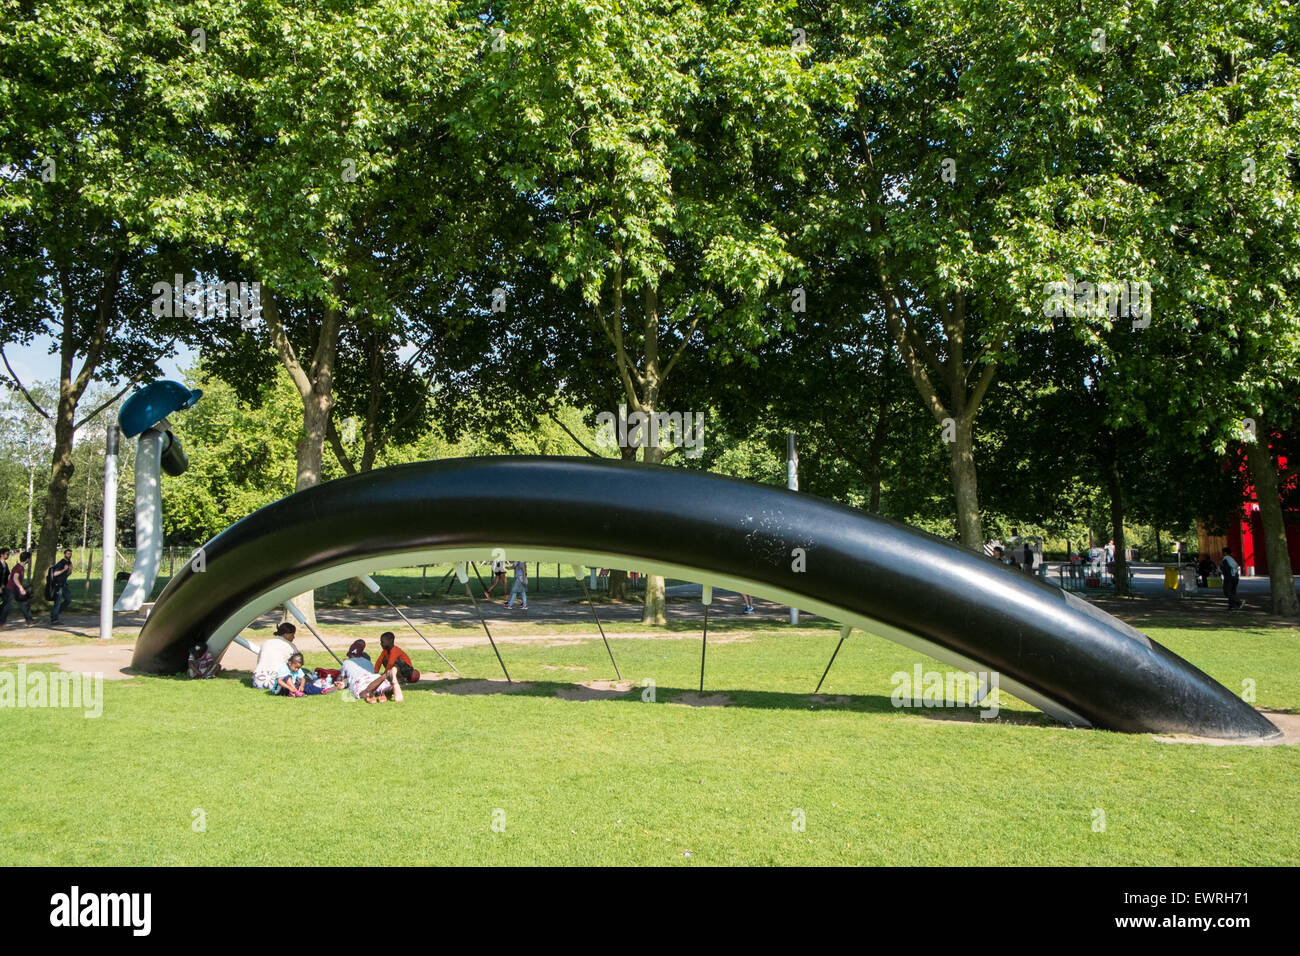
(1153, 605)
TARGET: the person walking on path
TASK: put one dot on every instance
(59, 575)
(749, 605)
(1231, 572)
(4, 582)
(498, 577)
(520, 587)
(19, 593)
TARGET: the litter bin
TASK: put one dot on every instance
(1171, 577)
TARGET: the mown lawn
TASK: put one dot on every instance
(331, 781)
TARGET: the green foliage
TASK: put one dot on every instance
(241, 458)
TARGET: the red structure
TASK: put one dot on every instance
(1246, 536)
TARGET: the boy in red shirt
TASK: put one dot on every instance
(394, 658)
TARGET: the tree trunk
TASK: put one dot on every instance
(875, 451)
(963, 402)
(1115, 487)
(618, 576)
(961, 463)
(356, 593)
(316, 408)
(1263, 472)
(315, 385)
(655, 611)
(617, 584)
(56, 495)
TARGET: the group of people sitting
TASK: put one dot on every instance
(281, 671)
(377, 682)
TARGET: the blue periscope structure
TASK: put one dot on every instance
(1049, 648)
(157, 451)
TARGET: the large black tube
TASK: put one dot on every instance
(855, 566)
(174, 460)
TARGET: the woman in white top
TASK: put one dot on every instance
(274, 655)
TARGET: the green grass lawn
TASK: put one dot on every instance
(333, 781)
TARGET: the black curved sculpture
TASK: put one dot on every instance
(1048, 647)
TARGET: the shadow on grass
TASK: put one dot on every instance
(729, 697)
(1194, 613)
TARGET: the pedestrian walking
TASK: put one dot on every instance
(498, 577)
(4, 585)
(520, 588)
(60, 575)
(1231, 572)
(17, 588)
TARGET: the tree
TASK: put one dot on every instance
(28, 442)
(322, 137)
(84, 133)
(241, 453)
(621, 122)
(1224, 154)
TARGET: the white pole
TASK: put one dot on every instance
(148, 521)
(110, 533)
(792, 482)
(31, 491)
(85, 522)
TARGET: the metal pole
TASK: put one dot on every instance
(110, 532)
(706, 595)
(474, 565)
(374, 588)
(844, 632)
(792, 482)
(303, 621)
(463, 576)
(578, 574)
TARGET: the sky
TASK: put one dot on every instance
(37, 363)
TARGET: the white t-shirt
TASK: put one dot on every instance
(275, 654)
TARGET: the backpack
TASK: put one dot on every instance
(49, 583)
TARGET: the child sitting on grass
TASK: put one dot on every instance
(292, 679)
(202, 665)
(393, 657)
